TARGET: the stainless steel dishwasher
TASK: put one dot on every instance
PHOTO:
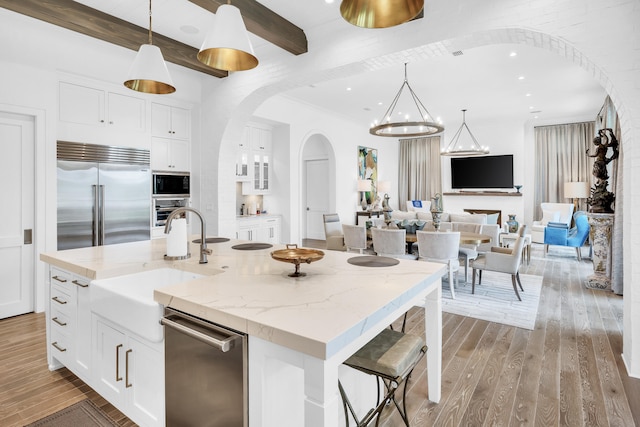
(205, 373)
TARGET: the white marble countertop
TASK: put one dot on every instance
(249, 291)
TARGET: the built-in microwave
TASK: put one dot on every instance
(171, 184)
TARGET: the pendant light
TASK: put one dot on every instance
(149, 73)
(379, 13)
(424, 126)
(227, 46)
(454, 149)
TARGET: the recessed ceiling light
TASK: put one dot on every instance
(531, 107)
(380, 103)
(348, 89)
(512, 54)
(328, 1)
(189, 29)
(528, 94)
(521, 78)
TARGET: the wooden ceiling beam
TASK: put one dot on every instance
(74, 16)
(265, 23)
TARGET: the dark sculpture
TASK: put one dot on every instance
(601, 199)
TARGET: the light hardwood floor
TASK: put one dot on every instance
(566, 372)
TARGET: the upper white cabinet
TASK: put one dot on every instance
(84, 105)
(170, 122)
(170, 155)
(259, 158)
(170, 143)
(243, 150)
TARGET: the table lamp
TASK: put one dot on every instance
(575, 191)
(364, 185)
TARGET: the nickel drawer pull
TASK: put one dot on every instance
(58, 300)
(82, 285)
(126, 372)
(60, 349)
(55, 319)
(118, 377)
(60, 279)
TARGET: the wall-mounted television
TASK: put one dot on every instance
(482, 172)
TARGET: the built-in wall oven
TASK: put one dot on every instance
(171, 184)
(170, 190)
(163, 206)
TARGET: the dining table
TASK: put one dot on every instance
(466, 238)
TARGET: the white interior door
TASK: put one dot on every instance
(16, 227)
(317, 192)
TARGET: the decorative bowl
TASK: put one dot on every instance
(295, 255)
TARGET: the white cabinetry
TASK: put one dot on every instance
(125, 369)
(243, 150)
(170, 122)
(170, 154)
(264, 229)
(129, 373)
(69, 322)
(257, 149)
(170, 142)
(100, 116)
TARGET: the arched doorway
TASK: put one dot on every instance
(317, 185)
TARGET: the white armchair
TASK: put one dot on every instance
(551, 212)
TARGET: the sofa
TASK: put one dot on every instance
(559, 213)
(449, 220)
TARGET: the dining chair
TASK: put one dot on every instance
(502, 260)
(390, 243)
(355, 238)
(443, 248)
(333, 232)
(467, 252)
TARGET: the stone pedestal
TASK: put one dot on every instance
(600, 236)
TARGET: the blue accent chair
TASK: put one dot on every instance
(560, 235)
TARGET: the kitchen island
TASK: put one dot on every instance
(301, 327)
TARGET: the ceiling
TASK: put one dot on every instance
(486, 81)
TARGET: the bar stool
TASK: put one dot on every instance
(391, 356)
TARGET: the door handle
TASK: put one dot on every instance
(118, 377)
(308, 208)
(28, 236)
(101, 237)
(96, 226)
(126, 370)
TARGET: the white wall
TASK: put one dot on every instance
(345, 137)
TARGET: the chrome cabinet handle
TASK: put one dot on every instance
(81, 284)
(118, 377)
(55, 319)
(60, 349)
(58, 300)
(59, 279)
(126, 372)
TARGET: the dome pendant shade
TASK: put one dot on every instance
(379, 13)
(149, 73)
(227, 46)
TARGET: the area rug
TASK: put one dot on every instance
(495, 300)
(84, 413)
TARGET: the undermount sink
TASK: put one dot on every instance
(128, 300)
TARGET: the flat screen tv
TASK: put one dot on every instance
(482, 172)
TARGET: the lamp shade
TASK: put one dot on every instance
(384, 186)
(227, 45)
(576, 190)
(149, 73)
(364, 185)
(379, 13)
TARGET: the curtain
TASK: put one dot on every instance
(419, 169)
(560, 156)
(608, 118)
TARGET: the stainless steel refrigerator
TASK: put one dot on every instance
(104, 195)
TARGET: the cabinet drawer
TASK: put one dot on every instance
(61, 300)
(62, 279)
(60, 320)
(61, 346)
